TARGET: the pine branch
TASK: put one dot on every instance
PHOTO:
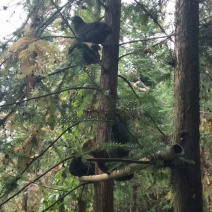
(18, 31)
(36, 179)
(49, 94)
(54, 189)
(145, 112)
(83, 184)
(59, 11)
(58, 71)
(152, 17)
(52, 18)
(25, 46)
(42, 153)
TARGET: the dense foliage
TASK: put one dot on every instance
(49, 101)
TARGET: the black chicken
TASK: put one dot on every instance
(95, 32)
(79, 167)
(90, 55)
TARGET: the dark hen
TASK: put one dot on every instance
(79, 167)
(90, 55)
(95, 32)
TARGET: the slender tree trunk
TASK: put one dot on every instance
(97, 9)
(61, 205)
(82, 205)
(186, 179)
(103, 198)
(25, 200)
(134, 199)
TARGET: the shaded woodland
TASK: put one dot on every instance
(105, 106)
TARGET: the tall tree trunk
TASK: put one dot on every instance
(186, 179)
(103, 198)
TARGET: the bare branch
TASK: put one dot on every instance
(49, 94)
(51, 18)
(59, 11)
(152, 17)
(148, 39)
(124, 55)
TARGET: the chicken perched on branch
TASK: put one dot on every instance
(120, 135)
(95, 32)
(90, 55)
(79, 167)
(172, 156)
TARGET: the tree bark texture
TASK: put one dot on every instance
(103, 197)
(82, 205)
(25, 200)
(186, 179)
(133, 207)
(61, 205)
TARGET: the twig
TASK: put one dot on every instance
(83, 184)
(65, 20)
(59, 71)
(148, 39)
(145, 112)
(36, 179)
(42, 153)
(56, 36)
(54, 189)
(129, 84)
(51, 19)
(152, 17)
(2, 121)
(102, 4)
(126, 55)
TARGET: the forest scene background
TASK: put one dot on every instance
(49, 104)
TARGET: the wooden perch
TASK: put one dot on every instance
(169, 154)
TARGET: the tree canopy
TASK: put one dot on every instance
(49, 105)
